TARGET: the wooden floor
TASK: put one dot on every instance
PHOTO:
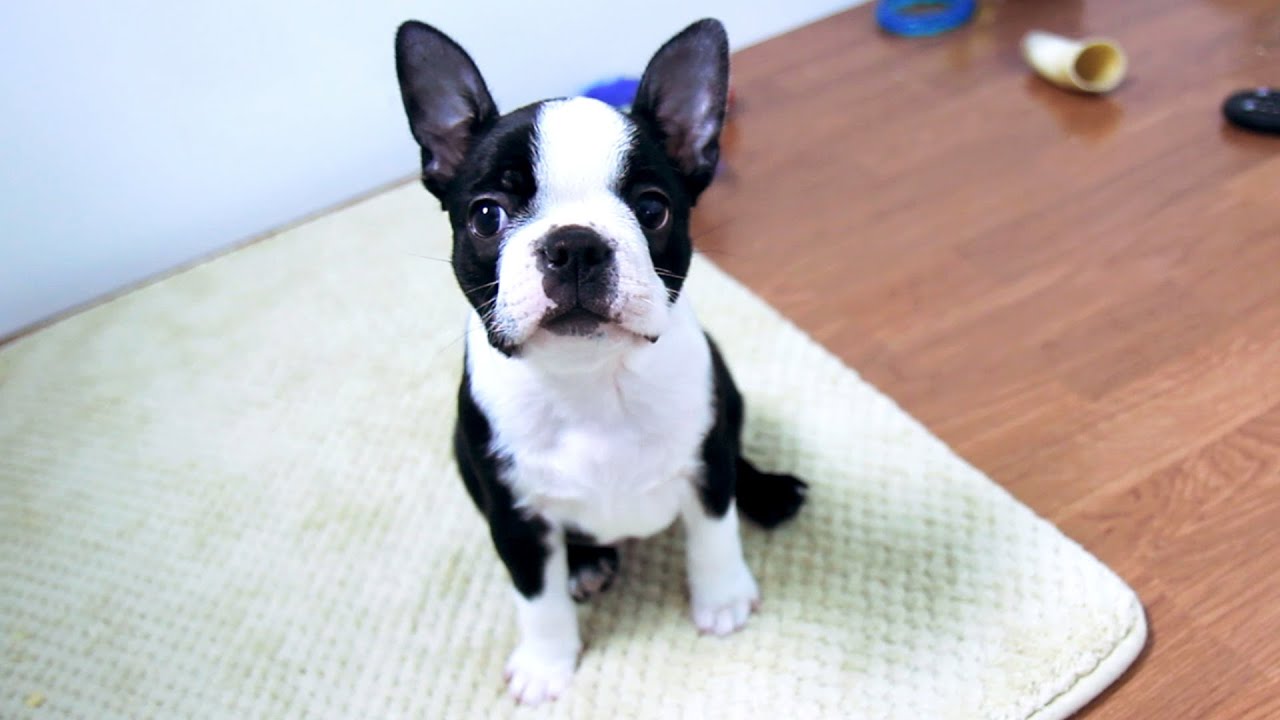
(1081, 295)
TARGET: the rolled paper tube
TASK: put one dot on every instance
(1094, 65)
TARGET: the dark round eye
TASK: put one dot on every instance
(487, 218)
(652, 210)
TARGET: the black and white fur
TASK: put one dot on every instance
(592, 408)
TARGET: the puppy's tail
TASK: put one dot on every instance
(765, 499)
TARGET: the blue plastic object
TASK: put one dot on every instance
(618, 92)
(918, 18)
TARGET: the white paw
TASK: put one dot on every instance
(722, 604)
(534, 677)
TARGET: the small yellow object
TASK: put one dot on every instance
(1095, 65)
(35, 700)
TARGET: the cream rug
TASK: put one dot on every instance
(230, 495)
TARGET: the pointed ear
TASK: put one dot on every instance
(682, 95)
(445, 98)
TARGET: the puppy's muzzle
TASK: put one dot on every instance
(578, 277)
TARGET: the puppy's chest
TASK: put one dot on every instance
(618, 466)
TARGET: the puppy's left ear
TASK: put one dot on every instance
(682, 97)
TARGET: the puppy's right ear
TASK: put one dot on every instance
(445, 98)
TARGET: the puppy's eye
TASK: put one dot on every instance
(487, 218)
(652, 210)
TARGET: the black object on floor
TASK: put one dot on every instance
(1257, 110)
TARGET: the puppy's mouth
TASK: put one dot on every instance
(579, 321)
(575, 321)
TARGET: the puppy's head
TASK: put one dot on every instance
(570, 219)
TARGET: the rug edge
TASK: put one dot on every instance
(1089, 686)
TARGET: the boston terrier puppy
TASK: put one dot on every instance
(592, 408)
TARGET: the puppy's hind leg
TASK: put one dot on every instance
(592, 569)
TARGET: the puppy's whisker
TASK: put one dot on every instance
(446, 261)
(468, 291)
(486, 310)
(465, 334)
(452, 342)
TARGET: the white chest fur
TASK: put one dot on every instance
(605, 437)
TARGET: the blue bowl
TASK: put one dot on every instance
(919, 18)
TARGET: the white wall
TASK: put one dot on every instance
(140, 134)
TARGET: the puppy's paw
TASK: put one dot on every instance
(591, 570)
(536, 676)
(722, 604)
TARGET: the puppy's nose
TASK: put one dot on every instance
(573, 253)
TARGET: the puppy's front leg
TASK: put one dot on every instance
(721, 588)
(542, 664)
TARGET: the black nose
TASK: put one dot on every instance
(573, 253)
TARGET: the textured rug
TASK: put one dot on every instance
(230, 495)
